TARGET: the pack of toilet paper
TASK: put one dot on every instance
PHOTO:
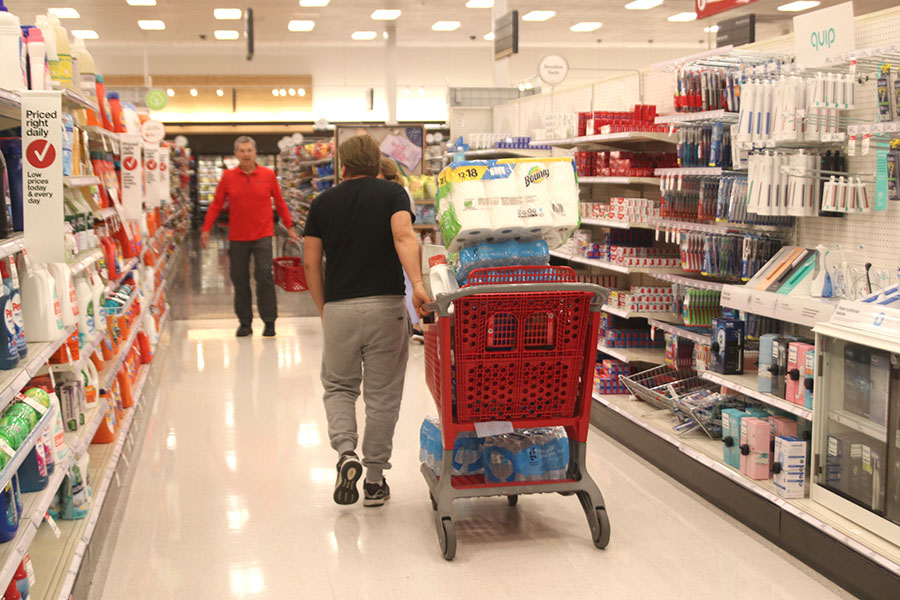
(508, 199)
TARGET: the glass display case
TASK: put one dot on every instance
(856, 439)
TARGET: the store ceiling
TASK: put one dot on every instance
(188, 20)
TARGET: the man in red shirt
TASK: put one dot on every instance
(250, 189)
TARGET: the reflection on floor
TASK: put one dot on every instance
(232, 499)
(203, 289)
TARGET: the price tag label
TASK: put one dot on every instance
(866, 143)
(125, 460)
(7, 449)
(851, 145)
(735, 297)
(490, 428)
(32, 403)
(763, 303)
(53, 526)
(118, 482)
(27, 258)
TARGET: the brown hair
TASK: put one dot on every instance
(360, 155)
(389, 169)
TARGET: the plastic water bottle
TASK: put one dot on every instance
(529, 456)
(499, 459)
(468, 454)
(555, 446)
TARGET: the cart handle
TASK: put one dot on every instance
(441, 304)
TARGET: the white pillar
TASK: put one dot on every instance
(390, 71)
(501, 67)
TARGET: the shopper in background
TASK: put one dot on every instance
(364, 228)
(250, 189)
(391, 172)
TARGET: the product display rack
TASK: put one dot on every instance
(746, 384)
(695, 336)
(13, 380)
(12, 245)
(630, 140)
(81, 181)
(619, 180)
(655, 356)
(604, 264)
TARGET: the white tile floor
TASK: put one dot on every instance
(232, 499)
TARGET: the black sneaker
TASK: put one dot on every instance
(269, 331)
(349, 470)
(376, 494)
(244, 331)
(417, 336)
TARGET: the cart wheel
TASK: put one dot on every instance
(602, 540)
(512, 500)
(447, 537)
(433, 502)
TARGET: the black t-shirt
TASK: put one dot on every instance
(354, 222)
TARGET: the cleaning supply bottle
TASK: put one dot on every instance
(12, 155)
(103, 102)
(85, 68)
(106, 433)
(61, 68)
(43, 23)
(21, 579)
(12, 591)
(68, 139)
(443, 281)
(37, 59)
(11, 74)
(84, 296)
(65, 289)
(5, 200)
(43, 319)
(9, 522)
(115, 107)
(33, 475)
(9, 354)
(19, 319)
(91, 384)
(59, 447)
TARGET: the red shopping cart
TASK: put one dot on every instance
(524, 342)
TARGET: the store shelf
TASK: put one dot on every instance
(626, 314)
(802, 310)
(698, 118)
(643, 141)
(100, 131)
(10, 108)
(315, 163)
(701, 284)
(708, 453)
(22, 451)
(619, 180)
(114, 285)
(326, 178)
(747, 384)
(692, 171)
(105, 213)
(656, 356)
(494, 153)
(12, 245)
(885, 128)
(698, 337)
(78, 100)
(12, 381)
(858, 423)
(34, 506)
(675, 225)
(85, 259)
(604, 264)
(81, 181)
(84, 354)
(613, 223)
(112, 369)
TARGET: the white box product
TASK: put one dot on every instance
(790, 452)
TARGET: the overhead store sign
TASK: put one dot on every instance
(506, 35)
(824, 33)
(553, 69)
(737, 31)
(708, 8)
(42, 175)
(157, 99)
(132, 175)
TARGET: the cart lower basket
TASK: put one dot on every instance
(521, 349)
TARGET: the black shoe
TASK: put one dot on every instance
(417, 336)
(244, 331)
(376, 494)
(349, 470)
(269, 331)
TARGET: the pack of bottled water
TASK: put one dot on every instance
(540, 454)
(467, 449)
(502, 254)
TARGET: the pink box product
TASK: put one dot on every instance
(755, 448)
(796, 370)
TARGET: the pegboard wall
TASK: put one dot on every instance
(466, 121)
(876, 236)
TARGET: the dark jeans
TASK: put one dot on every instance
(239, 254)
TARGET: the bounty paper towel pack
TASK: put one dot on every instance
(508, 199)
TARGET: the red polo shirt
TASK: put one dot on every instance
(249, 204)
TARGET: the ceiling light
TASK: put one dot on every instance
(711, 29)
(643, 4)
(194, 92)
(220, 93)
(682, 17)
(798, 5)
(85, 34)
(521, 87)
(274, 92)
(446, 26)
(151, 24)
(226, 34)
(228, 14)
(282, 92)
(480, 4)
(539, 15)
(528, 85)
(301, 92)
(386, 14)
(301, 25)
(489, 36)
(170, 92)
(292, 92)
(64, 13)
(362, 35)
(314, 3)
(586, 26)
(141, 2)
(406, 91)
(421, 91)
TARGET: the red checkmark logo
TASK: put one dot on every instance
(162, 166)
(151, 164)
(129, 163)
(40, 154)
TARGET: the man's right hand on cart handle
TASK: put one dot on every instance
(420, 298)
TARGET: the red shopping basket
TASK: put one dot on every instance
(289, 273)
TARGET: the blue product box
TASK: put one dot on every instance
(727, 348)
(731, 436)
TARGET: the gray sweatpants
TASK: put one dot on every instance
(366, 341)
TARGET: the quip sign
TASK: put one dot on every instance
(132, 176)
(824, 33)
(42, 175)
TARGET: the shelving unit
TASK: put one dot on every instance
(603, 264)
(12, 245)
(702, 284)
(656, 356)
(13, 380)
(675, 225)
(697, 337)
(801, 310)
(698, 118)
(647, 141)
(84, 260)
(495, 153)
(747, 384)
(625, 314)
(619, 180)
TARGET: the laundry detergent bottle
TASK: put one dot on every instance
(9, 354)
(16, 296)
